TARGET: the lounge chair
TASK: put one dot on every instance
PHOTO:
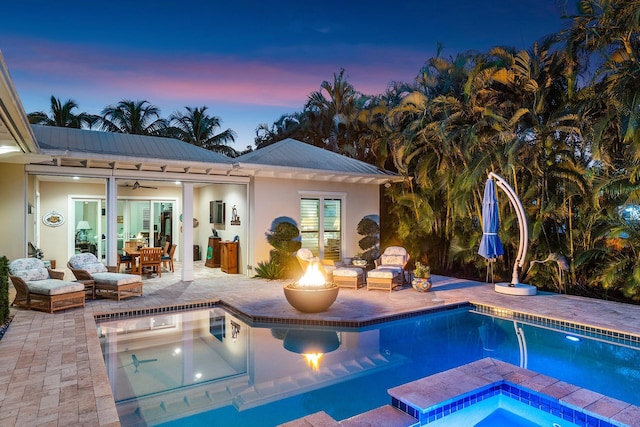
(306, 257)
(390, 269)
(108, 282)
(40, 288)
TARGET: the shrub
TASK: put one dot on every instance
(284, 236)
(370, 243)
(269, 270)
(4, 289)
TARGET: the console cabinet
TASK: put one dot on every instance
(214, 249)
(229, 257)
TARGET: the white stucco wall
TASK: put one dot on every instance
(13, 215)
(281, 197)
(230, 194)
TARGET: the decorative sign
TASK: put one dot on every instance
(235, 219)
(53, 219)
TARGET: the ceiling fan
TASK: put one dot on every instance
(136, 362)
(137, 185)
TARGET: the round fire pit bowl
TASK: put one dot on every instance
(309, 299)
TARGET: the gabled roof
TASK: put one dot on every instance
(53, 140)
(299, 160)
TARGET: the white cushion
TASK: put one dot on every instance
(53, 287)
(347, 272)
(88, 262)
(115, 279)
(384, 272)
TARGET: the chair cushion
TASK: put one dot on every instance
(384, 272)
(115, 279)
(305, 254)
(125, 258)
(392, 259)
(394, 255)
(396, 250)
(88, 262)
(28, 269)
(347, 272)
(53, 287)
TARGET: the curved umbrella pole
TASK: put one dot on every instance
(522, 223)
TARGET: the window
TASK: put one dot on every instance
(321, 226)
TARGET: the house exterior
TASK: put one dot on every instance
(68, 190)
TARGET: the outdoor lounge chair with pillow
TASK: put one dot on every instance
(40, 288)
(306, 257)
(108, 283)
(390, 269)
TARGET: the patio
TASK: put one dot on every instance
(52, 371)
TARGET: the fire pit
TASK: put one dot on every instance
(312, 293)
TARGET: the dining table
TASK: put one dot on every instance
(134, 253)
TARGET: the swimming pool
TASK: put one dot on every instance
(212, 367)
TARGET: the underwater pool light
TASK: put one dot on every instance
(572, 338)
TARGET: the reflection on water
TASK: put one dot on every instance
(311, 344)
(208, 367)
(190, 362)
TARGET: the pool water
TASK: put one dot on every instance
(209, 367)
(499, 411)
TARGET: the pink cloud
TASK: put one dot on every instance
(201, 79)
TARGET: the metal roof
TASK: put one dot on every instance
(291, 153)
(60, 139)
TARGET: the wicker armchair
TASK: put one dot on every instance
(108, 282)
(40, 288)
(305, 258)
(390, 269)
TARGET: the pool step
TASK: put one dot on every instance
(268, 391)
(384, 416)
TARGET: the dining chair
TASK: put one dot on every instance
(150, 258)
(126, 260)
(168, 259)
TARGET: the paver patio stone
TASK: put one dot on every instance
(57, 356)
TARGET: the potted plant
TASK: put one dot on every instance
(421, 281)
(359, 261)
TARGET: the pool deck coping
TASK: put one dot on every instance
(53, 372)
(451, 385)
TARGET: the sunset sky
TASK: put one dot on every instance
(248, 61)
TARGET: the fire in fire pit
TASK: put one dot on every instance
(312, 293)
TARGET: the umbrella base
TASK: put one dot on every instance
(519, 289)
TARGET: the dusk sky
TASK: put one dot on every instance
(248, 61)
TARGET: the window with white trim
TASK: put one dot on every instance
(321, 226)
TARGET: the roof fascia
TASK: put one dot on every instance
(131, 174)
(12, 113)
(283, 172)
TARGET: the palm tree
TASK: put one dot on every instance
(334, 111)
(198, 128)
(62, 115)
(134, 117)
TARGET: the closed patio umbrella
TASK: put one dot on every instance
(490, 245)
